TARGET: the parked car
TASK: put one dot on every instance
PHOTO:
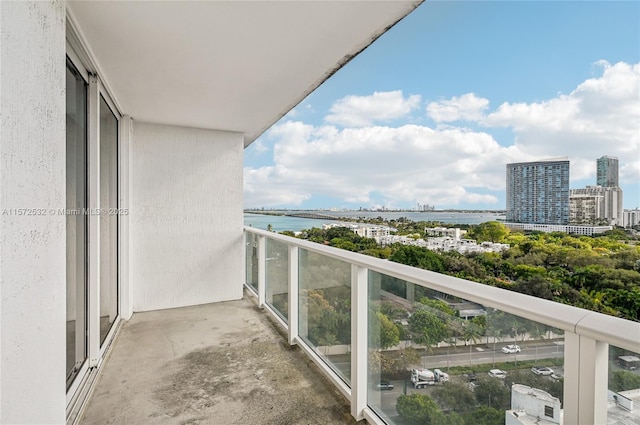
(384, 385)
(556, 376)
(497, 373)
(541, 370)
(470, 376)
(510, 349)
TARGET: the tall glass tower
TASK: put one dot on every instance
(607, 171)
(538, 192)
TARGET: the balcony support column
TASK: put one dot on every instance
(585, 380)
(293, 295)
(359, 345)
(262, 268)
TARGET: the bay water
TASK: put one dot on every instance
(280, 223)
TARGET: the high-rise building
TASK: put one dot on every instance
(607, 171)
(538, 192)
(596, 205)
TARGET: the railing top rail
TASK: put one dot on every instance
(613, 330)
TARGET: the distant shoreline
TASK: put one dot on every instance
(284, 212)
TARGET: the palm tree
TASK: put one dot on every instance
(472, 332)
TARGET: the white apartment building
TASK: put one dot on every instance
(583, 209)
(594, 204)
(548, 228)
(455, 232)
(631, 218)
(362, 229)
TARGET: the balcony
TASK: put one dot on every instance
(221, 363)
(227, 363)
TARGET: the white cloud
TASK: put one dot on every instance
(259, 146)
(405, 165)
(363, 111)
(600, 117)
(466, 107)
(450, 166)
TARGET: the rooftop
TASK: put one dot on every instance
(222, 363)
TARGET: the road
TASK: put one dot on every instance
(479, 355)
(460, 356)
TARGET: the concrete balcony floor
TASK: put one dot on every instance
(218, 364)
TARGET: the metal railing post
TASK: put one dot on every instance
(359, 340)
(293, 294)
(262, 267)
(586, 365)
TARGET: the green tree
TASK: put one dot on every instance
(383, 332)
(493, 393)
(471, 333)
(418, 257)
(438, 305)
(419, 409)
(426, 328)
(455, 396)
(622, 380)
(491, 231)
(484, 415)
(343, 244)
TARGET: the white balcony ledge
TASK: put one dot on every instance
(222, 363)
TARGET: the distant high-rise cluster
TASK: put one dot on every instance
(600, 204)
(538, 193)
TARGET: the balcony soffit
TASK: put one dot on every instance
(226, 65)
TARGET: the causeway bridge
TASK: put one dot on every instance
(314, 215)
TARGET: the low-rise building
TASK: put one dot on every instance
(532, 406)
(445, 231)
(548, 228)
(362, 229)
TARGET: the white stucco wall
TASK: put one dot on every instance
(186, 237)
(32, 247)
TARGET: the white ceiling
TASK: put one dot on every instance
(226, 65)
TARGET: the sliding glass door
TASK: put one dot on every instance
(108, 218)
(91, 216)
(76, 221)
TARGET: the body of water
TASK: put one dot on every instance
(295, 224)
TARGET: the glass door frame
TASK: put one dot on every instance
(96, 90)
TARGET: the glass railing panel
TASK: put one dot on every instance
(390, 352)
(455, 360)
(325, 309)
(251, 263)
(277, 277)
(623, 395)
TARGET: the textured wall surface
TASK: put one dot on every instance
(32, 247)
(186, 237)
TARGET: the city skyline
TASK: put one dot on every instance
(431, 113)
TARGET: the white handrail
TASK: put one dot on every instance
(612, 330)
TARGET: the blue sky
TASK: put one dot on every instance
(433, 110)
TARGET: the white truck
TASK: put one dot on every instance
(423, 377)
